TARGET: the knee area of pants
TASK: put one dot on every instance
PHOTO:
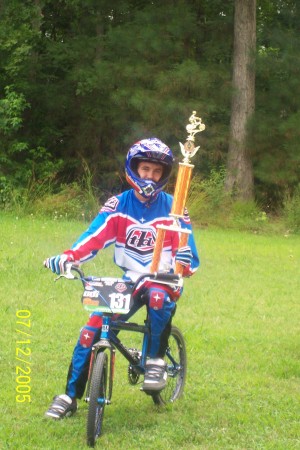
(95, 321)
(87, 336)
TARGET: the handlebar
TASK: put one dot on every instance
(168, 278)
(159, 276)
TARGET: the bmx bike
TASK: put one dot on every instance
(113, 298)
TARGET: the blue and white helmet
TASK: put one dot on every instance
(152, 150)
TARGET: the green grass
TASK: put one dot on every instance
(240, 317)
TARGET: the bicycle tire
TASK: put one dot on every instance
(97, 400)
(176, 351)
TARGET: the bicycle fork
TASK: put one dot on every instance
(109, 341)
(101, 346)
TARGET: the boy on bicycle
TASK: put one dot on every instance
(129, 220)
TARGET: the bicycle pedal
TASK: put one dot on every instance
(135, 351)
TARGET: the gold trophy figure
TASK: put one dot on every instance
(183, 182)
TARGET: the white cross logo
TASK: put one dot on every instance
(157, 297)
(87, 336)
(142, 220)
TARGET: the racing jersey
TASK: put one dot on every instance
(131, 225)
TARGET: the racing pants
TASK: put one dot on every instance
(160, 302)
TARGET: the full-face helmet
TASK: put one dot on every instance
(152, 150)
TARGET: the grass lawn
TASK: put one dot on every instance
(241, 320)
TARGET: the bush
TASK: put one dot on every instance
(206, 197)
(77, 200)
(5, 192)
(209, 204)
(70, 202)
(291, 211)
(247, 215)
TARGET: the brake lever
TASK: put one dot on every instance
(69, 276)
(68, 273)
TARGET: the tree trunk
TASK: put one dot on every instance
(239, 180)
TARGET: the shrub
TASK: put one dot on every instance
(5, 192)
(207, 201)
(247, 215)
(209, 204)
(291, 211)
(77, 200)
(70, 202)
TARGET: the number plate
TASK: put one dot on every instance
(107, 295)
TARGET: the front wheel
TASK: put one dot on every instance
(97, 395)
(176, 361)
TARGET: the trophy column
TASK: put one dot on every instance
(182, 186)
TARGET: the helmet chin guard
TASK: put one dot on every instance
(152, 150)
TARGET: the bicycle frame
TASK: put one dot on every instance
(111, 296)
(109, 340)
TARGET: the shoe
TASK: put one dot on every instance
(62, 406)
(155, 375)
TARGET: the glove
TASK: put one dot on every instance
(57, 263)
(184, 256)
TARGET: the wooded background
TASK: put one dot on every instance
(81, 80)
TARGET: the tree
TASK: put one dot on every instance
(239, 180)
(275, 134)
(95, 75)
(80, 80)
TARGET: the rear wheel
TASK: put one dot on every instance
(176, 361)
(97, 395)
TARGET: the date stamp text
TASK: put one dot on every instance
(23, 356)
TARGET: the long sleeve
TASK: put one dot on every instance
(100, 234)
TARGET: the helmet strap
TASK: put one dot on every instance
(148, 190)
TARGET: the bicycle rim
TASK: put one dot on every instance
(176, 361)
(97, 395)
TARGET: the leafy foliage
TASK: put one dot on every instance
(292, 211)
(82, 80)
(274, 131)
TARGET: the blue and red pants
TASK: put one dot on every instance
(160, 302)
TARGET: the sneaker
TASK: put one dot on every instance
(155, 375)
(62, 406)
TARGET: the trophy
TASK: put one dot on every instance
(183, 182)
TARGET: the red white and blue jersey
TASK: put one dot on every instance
(131, 225)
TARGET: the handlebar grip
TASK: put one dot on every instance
(77, 270)
(167, 276)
